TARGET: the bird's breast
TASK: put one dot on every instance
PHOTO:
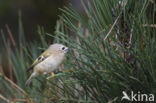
(49, 65)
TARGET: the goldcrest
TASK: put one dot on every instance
(48, 61)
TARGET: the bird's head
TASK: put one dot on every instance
(59, 48)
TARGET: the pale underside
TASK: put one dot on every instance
(48, 65)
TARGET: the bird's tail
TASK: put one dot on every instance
(28, 82)
(31, 78)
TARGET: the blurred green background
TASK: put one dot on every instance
(34, 13)
(113, 50)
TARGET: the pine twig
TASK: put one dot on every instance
(5, 99)
(23, 100)
(10, 35)
(151, 25)
(123, 4)
(9, 60)
(13, 84)
(112, 26)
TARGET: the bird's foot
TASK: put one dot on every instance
(52, 75)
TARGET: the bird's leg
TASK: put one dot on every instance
(52, 75)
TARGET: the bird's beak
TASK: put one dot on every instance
(68, 49)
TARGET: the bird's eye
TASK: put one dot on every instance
(63, 48)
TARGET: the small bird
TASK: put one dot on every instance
(48, 61)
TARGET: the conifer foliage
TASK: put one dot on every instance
(113, 50)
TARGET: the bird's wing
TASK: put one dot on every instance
(41, 58)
